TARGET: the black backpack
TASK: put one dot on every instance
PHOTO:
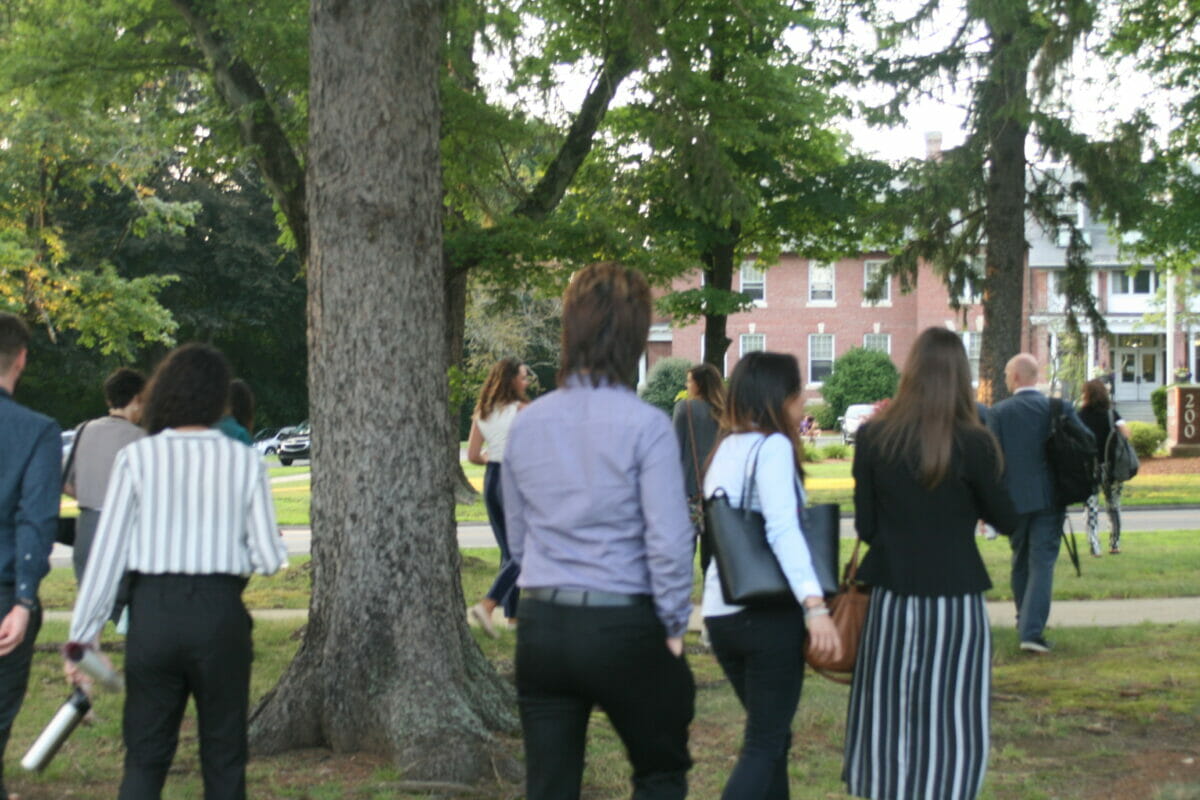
(1071, 453)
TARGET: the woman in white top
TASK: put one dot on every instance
(761, 649)
(502, 396)
(188, 514)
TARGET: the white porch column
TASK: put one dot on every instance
(1170, 376)
(1091, 356)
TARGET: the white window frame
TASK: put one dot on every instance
(757, 279)
(1120, 275)
(973, 339)
(742, 339)
(887, 338)
(886, 298)
(826, 302)
(831, 359)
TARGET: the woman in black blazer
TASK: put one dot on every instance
(926, 471)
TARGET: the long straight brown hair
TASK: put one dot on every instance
(760, 388)
(933, 403)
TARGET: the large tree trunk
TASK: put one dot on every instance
(387, 663)
(1004, 113)
(718, 273)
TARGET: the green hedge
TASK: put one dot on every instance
(1146, 438)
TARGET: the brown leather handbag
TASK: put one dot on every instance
(848, 610)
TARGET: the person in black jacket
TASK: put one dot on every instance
(925, 470)
(1098, 413)
(695, 421)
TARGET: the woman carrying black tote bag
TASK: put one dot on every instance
(761, 647)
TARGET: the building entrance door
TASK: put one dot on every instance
(1137, 373)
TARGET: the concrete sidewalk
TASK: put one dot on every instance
(1063, 613)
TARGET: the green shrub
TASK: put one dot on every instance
(812, 454)
(836, 450)
(1146, 438)
(1158, 402)
(664, 381)
(823, 414)
(859, 376)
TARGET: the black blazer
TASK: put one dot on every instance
(923, 540)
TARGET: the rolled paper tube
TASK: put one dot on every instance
(65, 720)
(93, 666)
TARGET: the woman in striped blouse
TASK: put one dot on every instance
(188, 514)
(925, 472)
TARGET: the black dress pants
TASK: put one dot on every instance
(572, 659)
(14, 674)
(189, 635)
(761, 651)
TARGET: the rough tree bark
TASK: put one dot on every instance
(718, 273)
(387, 663)
(1004, 113)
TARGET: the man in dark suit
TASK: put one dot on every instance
(1022, 424)
(30, 486)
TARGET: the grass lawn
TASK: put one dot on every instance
(826, 481)
(1154, 564)
(1113, 714)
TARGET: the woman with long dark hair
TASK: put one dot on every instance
(761, 650)
(188, 514)
(502, 396)
(926, 471)
(1098, 413)
(696, 420)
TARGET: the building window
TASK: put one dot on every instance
(754, 283)
(820, 357)
(752, 343)
(871, 270)
(972, 342)
(1143, 281)
(820, 283)
(881, 342)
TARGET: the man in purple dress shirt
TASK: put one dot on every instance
(598, 520)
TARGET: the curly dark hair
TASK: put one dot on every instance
(189, 387)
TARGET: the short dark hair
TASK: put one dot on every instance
(189, 387)
(122, 386)
(606, 320)
(241, 403)
(14, 337)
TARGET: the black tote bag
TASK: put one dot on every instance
(750, 574)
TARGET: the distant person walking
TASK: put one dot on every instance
(1099, 414)
(97, 443)
(1022, 425)
(761, 650)
(238, 420)
(502, 396)
(597, 520)
(696, 423)
(189, 515)
(30, 486)
(925, 470)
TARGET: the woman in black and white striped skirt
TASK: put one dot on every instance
(925, 472)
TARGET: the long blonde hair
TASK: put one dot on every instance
(933, 403)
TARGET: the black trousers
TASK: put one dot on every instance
(571, 660)
(14, 674)
(189, 635)
(762, 653)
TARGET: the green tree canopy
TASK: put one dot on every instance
(859, 376)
